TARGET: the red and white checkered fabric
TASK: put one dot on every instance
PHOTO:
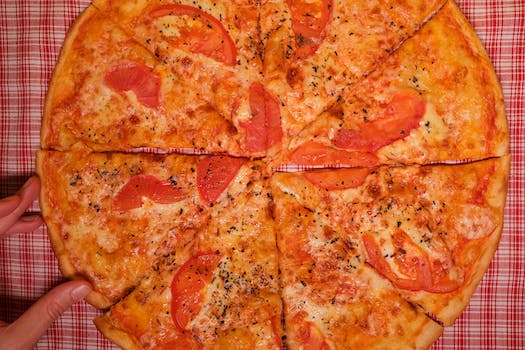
(31, 33)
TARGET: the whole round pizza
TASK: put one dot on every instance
(271, 174)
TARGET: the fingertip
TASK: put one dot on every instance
(9, 204)
(31, 188)
(26, 223)
(29, 327)
(32, 181)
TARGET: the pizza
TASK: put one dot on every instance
(274, 174)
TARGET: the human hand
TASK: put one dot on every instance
(28, 328)
(13, 207)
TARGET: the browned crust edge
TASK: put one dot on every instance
(47, 119)
(429, 335)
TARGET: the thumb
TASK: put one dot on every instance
(26, 330)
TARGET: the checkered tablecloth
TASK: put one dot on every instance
(31, 34)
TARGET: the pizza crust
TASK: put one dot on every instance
(58, 86)
(429, 335)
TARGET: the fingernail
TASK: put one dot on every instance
(80, 292)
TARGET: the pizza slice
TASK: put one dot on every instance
(423, 105)
(224, 294)
(110, 216)
(143, 320)
(332, 298)
(430, 231)
(214, 47)
(436, 251)
(314, 49)
(109, 93)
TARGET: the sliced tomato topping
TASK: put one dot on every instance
(188, 284)
(309, 20)
(132, 76)
(315, 154)
(413, 262)
(337, 179)
(305, 334)
(139, 186)
(263, 130)
(402, 114)
(214, 174)
(203, 33)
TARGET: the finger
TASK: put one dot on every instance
(8, 205)
(25, 331)
(26, 223)
(27, 195)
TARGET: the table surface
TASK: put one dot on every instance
(31, 34)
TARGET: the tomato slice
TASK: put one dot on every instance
(263, 130)
(132, 76)
(378, 262)
(214, 174)
(305, 334)
(337, 179)
(402, 114)
(413, 262)
(187, 286)
(130, 195)
(316, 154)
(309, 20)
(202, 33)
